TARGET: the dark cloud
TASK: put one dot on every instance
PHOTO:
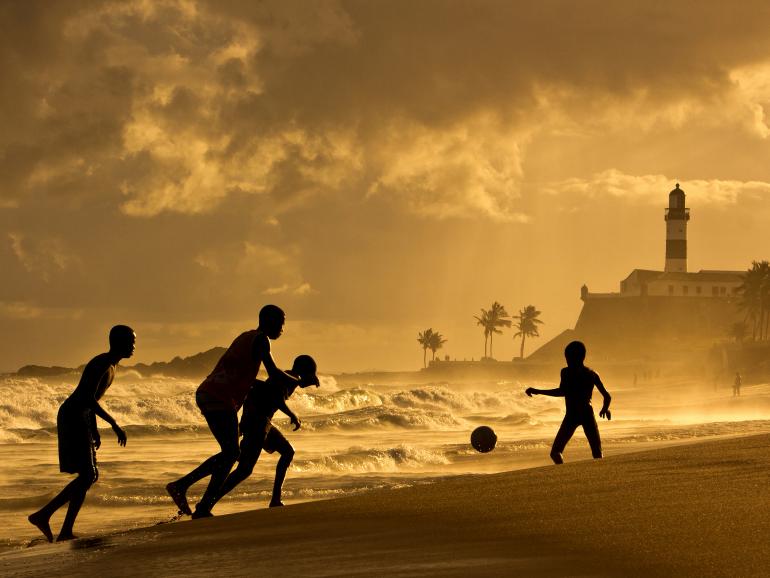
(295, 96)
(435, 61)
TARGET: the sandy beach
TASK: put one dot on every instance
(694, 509)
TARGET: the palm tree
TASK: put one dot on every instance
(755, 297)
(483, 320)
(527, 325)
(436, 342)
(491, 319)
(424, 338)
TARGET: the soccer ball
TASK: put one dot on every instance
(483, 439)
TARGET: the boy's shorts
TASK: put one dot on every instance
(77, 452)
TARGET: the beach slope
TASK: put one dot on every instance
(698, 509)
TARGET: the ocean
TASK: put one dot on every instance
(355, 437)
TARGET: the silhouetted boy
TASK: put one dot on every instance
(576, 387)
(219, 398)
(259, 433)
(78, 437)
(737, 384)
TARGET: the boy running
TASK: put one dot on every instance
(576, 387)
(219, 398)
(259, 433)
(78, 437)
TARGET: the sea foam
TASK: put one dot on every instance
(157, 405)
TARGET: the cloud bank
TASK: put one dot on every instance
(182, 161)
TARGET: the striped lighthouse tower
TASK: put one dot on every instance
(677, 216)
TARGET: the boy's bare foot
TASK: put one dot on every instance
(276, 504)
(197, 514)
(65, 537)
(180, 499)
(43, 524)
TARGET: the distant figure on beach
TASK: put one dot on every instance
(219, 398)
(78, 436)
(259, 433)
(737, 384)
(576, 387)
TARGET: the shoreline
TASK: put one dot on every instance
(684, 509)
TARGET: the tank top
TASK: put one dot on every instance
(234, 373)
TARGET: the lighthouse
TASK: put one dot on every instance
(677, 216)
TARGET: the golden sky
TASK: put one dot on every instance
(375, 168)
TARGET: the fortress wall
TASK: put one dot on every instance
(632, 328)
(624, 325)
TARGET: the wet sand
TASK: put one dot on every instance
(689, 510)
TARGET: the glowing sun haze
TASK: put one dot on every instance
(375, 168)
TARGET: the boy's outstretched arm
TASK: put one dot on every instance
(605, 411)
(292, 416)
(556, 392)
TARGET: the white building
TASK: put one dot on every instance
(704, 283)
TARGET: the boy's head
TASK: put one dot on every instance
(122, 341)
(304, 367)
(575, 353)
(271, 320)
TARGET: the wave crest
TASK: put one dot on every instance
(150, 406)
(368, 460)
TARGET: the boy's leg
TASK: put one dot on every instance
(250, 451)
(277, 442)
(79, 488)
(77, 454)
(224, 426)
(42, 518)
(566, 430)
(591, 429)
(178, 489)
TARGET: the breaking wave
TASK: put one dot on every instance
(165, 406)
